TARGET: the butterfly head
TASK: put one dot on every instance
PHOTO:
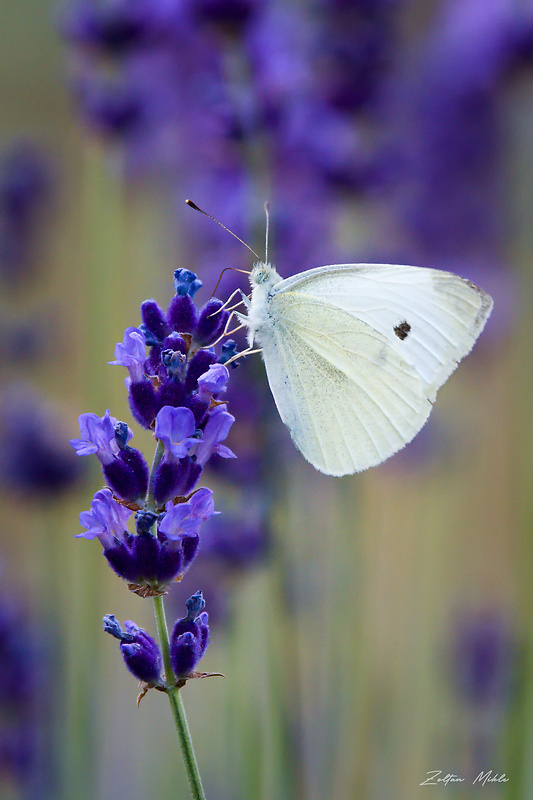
(263, 273)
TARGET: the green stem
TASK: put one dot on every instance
(158, 455)
(176, 705)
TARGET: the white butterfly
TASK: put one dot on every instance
(355, 353)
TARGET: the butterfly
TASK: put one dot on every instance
(355, 353)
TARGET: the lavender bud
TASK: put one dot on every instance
(121, 480)
(199, 364)
(186, 282)
(170, 478)
(144, 521)
(154, 321)
(211, 322)
(190, 637)
(143, 402)
(229, 350)
(182, 313)
(175, 342)
(134, 459)
(140, 652)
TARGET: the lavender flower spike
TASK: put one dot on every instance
(97, 437)
(175, 427)
(131, 353)
(106, 521)
(216, 429)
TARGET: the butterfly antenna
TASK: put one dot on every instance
(267, 214)
(197, 208)
(234, 269)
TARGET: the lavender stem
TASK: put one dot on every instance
(176, 705)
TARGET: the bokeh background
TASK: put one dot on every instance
(371, 628)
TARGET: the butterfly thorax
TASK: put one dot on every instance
(263, 278)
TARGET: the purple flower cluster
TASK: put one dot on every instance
(303, 81)
(141, 653)
(174, 390)
(447, 113)
(148, 560)
(176, 385)
(177, 358)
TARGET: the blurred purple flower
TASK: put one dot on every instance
(448, 114)
(35, 459)
(121, 26)
(25, 192)
(113, 108)
(232, 14)
(484, 657)
(25, 671)
(353, 51)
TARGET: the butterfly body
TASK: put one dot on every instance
(355, 353)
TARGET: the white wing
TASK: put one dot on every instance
(443, 312)
(346, 394)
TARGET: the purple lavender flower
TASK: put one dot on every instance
(131, 353)
(168, 376)
(97, 437)
(140, 652)
(154, 326)
(216, 430)
(186, 283)
(189, 638)
(148, 561)
(185, 518)
(107, 520)
(212, 382)
(124, 468)
(175, 427)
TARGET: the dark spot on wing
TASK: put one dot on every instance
(402, 330)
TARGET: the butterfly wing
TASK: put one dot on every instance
(346, 394)
(430, 316)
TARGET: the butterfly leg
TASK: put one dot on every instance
(244, 353)
(230, 298)
(227, 332)
(245, 299)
